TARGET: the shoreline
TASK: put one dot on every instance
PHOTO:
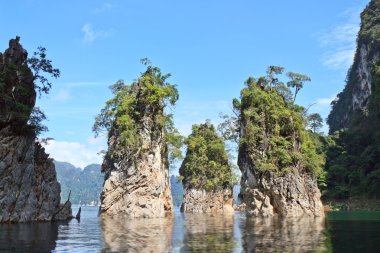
(352, 204)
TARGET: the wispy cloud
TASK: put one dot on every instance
(105, 7)
(322, 102)
(76, 153)
(90, 35)
(340, 41)
(63, 95)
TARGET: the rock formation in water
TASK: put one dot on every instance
(277, 157)
(136, 164)
(353, 160)
(29, 190)
(206, 173)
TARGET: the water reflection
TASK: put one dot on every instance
(208, 233)
(136, 235)
(283, 235)
(28, 237)
(196, 233)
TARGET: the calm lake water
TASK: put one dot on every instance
(339, 232)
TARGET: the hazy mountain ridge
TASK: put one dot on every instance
(85, 185)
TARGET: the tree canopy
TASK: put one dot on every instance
(206, 164)
(145, 101)
(270, 128)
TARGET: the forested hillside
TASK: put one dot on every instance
(353, 158)
(85, 185)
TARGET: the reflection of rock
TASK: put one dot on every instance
(202, 201)
(28, 237)
(208, 233)
(283, 235)
(137, 235)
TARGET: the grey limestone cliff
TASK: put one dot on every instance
(266, 194)
(29, 190)
(357, 92)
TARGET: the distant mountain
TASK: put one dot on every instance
(85, 185)
(177, 190)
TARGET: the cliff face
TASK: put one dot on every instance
(277, 157)
(29, 190)
(137, 185)
(206, 173)
(139, 189)
(202, 201)
(353, 161)
(266, 194)
(355, 96)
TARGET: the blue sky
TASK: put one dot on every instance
(209, 47)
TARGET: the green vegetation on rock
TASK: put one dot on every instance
(19, 81)
(272, 128)
(353, 157)
(206, 164)
(145, 101)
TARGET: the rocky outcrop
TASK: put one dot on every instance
(29, 190)
(202, 201)
(290, 195)
(355, 96)
(137, 183)
(140, 189)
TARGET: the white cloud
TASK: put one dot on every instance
(340, 41)
(105, 7)
(341, 58)
(91, 35)
(324, 101)
(63, 95)
(76, 153)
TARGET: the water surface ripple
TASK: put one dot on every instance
(340, 232)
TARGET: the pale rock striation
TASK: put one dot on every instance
(266, 194)
(357, 92)
(138, 188)
(202, 201)
(29, 190)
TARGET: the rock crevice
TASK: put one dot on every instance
(29, 190)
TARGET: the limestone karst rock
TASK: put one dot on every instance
(29, 190)
(291, 195)
(136, 164)
(202, 201)
(355, 97)
(206, 172)
(277, 157)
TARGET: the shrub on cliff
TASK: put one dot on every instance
(20, 77)
(145, 101)
(271, 128)
(206, 162)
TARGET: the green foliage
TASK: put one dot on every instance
(353, 158)
(206, 162)
(41, 66)
(342, 112)
(15, 95)
(272, 128)
(315, 121)
(143, 102)
(85, 185)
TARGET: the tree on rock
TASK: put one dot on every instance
(206, 172)
(276, 152)
(142, 140)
